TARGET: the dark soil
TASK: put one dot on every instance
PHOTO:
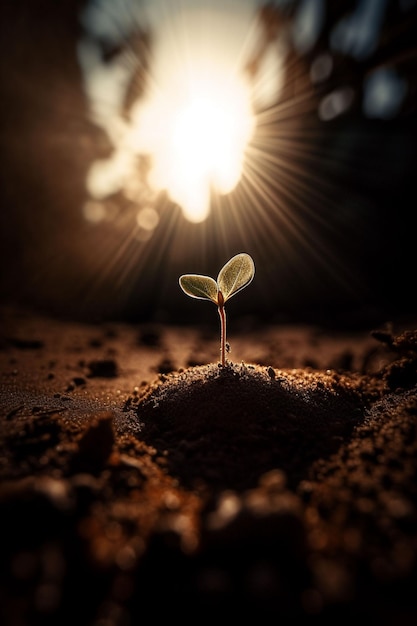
(141, 480)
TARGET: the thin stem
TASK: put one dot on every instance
(222, 314)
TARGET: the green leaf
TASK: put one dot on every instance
(235, 275)
(198, 286)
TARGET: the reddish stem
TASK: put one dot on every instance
(222, 314)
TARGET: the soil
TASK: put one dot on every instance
(140, 479)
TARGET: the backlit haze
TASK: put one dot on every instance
(194, 116)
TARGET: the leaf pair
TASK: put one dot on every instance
(236, 274)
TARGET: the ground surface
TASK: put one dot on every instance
(140, 478)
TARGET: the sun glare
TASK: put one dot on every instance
(203, 142)
(194, 119)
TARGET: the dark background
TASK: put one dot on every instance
(351, 258)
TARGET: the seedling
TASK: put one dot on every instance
(236, 274)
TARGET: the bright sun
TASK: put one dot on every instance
(196, 118)
(203, 142)
(208, 141)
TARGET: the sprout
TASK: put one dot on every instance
(236, 274)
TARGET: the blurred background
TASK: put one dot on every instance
(141, 140)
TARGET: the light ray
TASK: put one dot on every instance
(237, 155)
